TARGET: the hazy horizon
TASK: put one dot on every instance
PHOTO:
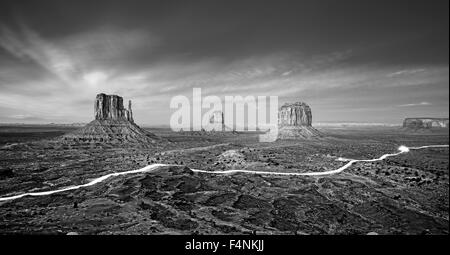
(351, 61)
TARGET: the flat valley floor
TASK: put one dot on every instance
(406, 194)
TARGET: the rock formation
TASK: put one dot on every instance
(216, 122)
(110, 107)
(294, 120)
(112, 124)
(296, 114)
(217, 117)
(129, 112)
(425, 123)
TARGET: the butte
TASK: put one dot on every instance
(113, 124)
(295, 122)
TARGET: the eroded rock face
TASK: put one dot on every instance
(110, 107)
(295, 121)
(425, 123)
(129, 113)
(295, 114)
(113, 124)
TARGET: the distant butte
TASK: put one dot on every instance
(425, 123)
(217, 123)
(112, 124)
(295, 122)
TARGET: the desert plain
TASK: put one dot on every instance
(405, 194)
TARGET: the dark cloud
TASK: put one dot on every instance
(233, 28)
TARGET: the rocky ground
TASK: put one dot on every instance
(407, 194)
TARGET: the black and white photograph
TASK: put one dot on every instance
(224, 118)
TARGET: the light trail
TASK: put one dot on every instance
(91, 183)
(402, 149)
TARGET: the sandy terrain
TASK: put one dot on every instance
(406, 194)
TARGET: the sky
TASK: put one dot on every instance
(374, 61)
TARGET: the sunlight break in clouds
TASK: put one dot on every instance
(95, 78)
(59, 74)
(72, 59)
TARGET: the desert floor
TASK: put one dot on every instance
(407, 194)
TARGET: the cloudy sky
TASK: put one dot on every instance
(350, 60)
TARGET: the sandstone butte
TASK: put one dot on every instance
(112, 124)
(295, 122)
(425, 123)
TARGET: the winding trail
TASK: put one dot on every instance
(402, 149)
